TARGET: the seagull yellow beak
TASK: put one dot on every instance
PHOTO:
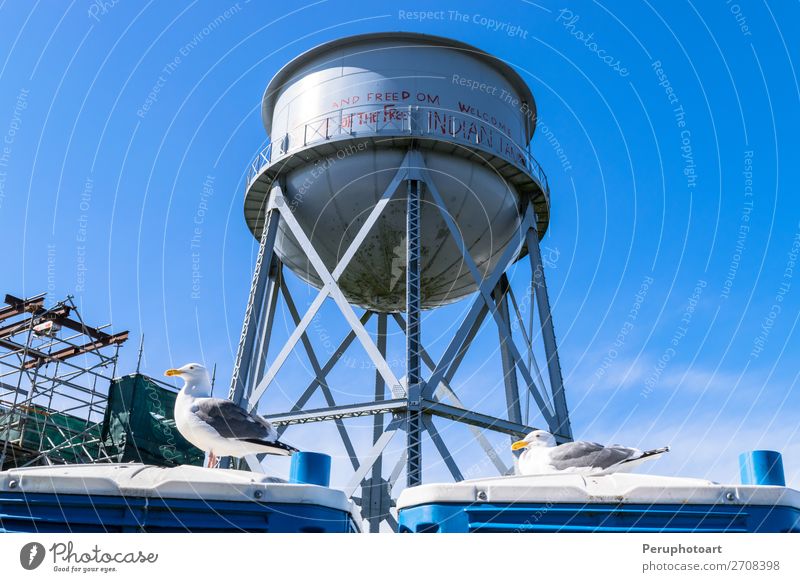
(172, 372)
(518, 445)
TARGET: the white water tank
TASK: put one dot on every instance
(341, 117)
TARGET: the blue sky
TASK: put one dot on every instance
(667, 130)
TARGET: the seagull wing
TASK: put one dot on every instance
(583, 454)
(232, 421)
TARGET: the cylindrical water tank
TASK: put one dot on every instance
(341, 118)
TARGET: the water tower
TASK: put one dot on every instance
(398, 178)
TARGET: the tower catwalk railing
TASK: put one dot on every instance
(416, 121)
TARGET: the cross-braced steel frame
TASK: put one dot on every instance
(412, 406)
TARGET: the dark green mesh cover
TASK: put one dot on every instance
(140, 424)
(36, 428)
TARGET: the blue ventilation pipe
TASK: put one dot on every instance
(761, 468)
(310, 469)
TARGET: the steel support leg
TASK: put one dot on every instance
(374, 507)
(562, 424)
(258, 318)
(274, 283)
(414, 373)
(242, 368)
(533, 365)
(509, 368)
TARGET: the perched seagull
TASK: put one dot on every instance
(540, 455)
(219, 426)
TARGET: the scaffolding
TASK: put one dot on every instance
(55, 371)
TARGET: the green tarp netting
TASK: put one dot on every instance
(37, 428)
(139, 425)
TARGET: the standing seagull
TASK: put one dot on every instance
(540, 455)
(219, 426)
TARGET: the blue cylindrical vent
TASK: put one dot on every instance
(310, 468)
(762, 468)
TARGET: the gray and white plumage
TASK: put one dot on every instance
(540, 455)
(219, 426)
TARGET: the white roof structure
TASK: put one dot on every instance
(184, 482)
(615, 488)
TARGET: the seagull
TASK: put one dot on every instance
(540, 455)
(219, 426)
